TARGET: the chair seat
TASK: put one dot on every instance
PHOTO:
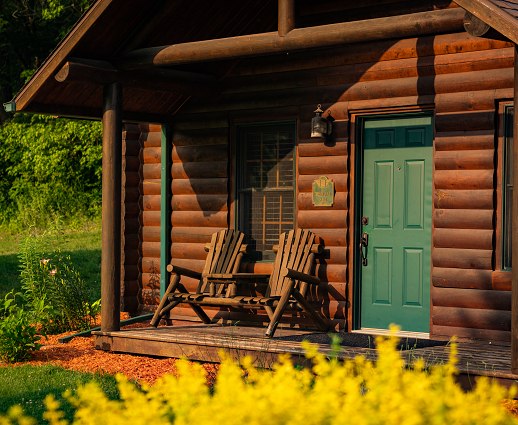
(185, 297)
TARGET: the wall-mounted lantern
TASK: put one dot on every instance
(321, 127)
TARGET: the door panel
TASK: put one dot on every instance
(397, 199)
(413, 277)
(382, 283)
(383, 186)
(414, 194)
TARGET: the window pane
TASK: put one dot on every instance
(265, 192)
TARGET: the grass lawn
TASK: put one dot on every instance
(83, 246)
(28, 386)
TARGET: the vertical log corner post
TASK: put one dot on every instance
(514, 236)
(111, 208)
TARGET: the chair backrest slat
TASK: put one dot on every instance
(231, 265)
(294, 252)
(218, 250)
(277, 264)
(222, 257)
(212, 251)
(226, 255)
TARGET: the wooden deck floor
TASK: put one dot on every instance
(205, 342)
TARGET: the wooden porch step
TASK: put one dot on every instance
(205, 343)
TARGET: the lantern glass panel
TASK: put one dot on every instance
(318, 127)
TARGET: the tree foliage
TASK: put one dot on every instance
(48, 167)
(29, 30)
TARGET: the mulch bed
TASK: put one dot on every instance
(80, 355)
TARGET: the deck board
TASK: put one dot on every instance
(205, 342)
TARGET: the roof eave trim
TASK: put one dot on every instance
(60, 54)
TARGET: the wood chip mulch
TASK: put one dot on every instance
(80, 355)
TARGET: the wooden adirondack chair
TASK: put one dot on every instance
(289, 282)
(225, 252)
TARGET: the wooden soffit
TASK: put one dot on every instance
(493, 15)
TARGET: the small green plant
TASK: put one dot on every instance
(58, 285)
(18, 334)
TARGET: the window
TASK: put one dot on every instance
(265, 184)
(507, 188)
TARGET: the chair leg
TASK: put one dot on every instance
(269, 311)
(175, 279)
(322, 323)
(201, 314)
(279, 310)
(197, 309)
(169, 307)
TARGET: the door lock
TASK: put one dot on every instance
(364, 243)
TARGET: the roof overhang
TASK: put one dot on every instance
(59, 55)
(146, 73)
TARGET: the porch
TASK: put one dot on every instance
(201, 342)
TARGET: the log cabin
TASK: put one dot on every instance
(208, 111)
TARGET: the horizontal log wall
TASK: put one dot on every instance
(130, 257)
(464, 300)
(459, 76)
(200, 192)
(141, 202)
(330, 223)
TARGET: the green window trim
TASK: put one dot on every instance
(507, 189)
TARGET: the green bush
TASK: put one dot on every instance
(18, 333)
(50, 169)
(356, 391)
(52, 280)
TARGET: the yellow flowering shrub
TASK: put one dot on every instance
(356, 391)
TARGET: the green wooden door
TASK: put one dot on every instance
(397, 205)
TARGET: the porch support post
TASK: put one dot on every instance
(111, 208)
(514, 244)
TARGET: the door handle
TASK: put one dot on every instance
(364, 243)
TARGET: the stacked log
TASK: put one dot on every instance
(200, 192)
(141, 209)
(130, 196)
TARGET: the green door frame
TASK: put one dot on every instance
(358, 200)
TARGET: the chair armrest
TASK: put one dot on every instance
(251, 275)
(247, 279)
(237, 276)
(183, 272)
(294, 274)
